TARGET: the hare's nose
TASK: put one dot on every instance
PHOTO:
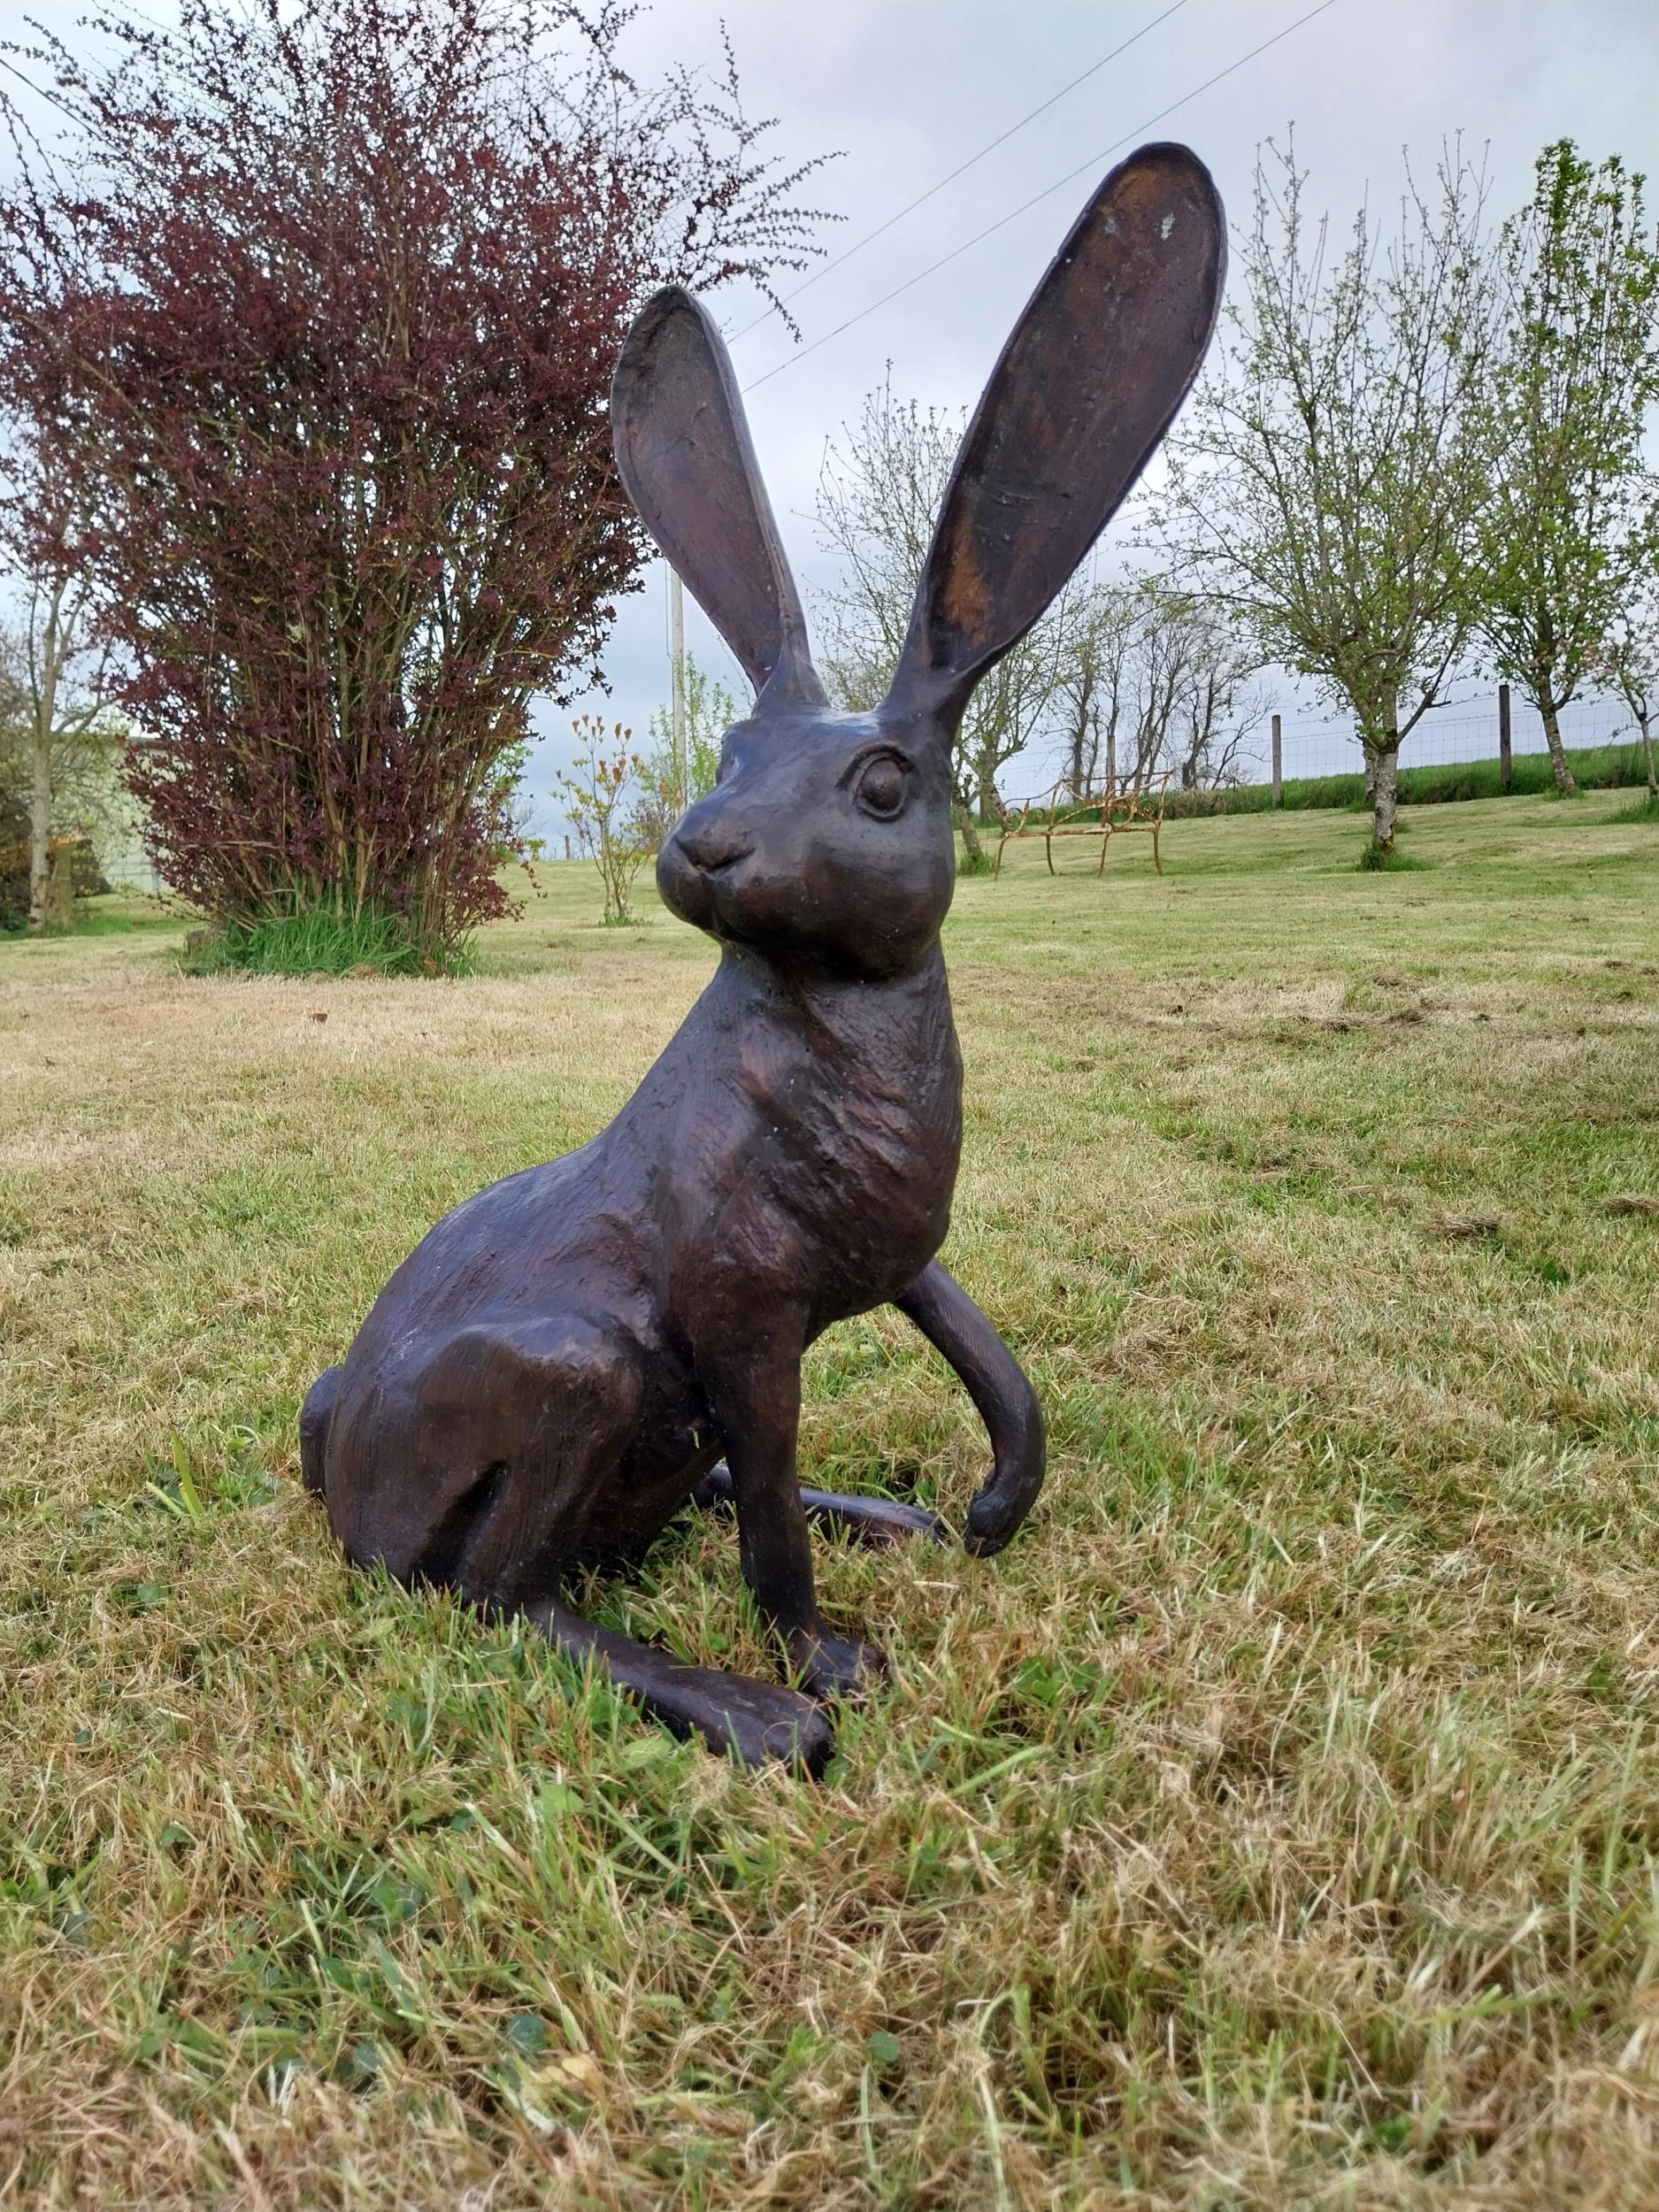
(712, 847)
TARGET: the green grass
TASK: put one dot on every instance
(1273, 1825)
(325, 941)
(1375, 858)
(119, 913)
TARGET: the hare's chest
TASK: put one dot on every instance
(865, 1167)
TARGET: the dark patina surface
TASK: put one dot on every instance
(573, 1355)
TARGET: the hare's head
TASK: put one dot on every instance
(828, 836)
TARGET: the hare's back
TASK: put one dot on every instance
(534, 1243)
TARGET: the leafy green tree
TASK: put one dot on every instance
(1326, 480)
(1569, 526)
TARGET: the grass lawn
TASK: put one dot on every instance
(1275, 1825)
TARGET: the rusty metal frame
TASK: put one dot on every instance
(1123, 806)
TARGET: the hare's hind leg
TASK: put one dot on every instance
(531, 1423)
(950, 1321)
(752, 1722)
(319, 1403)
(549, 1407)
(872, 1521)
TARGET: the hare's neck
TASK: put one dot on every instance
(893, 1039)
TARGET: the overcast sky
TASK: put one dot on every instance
(907, 89)
(904, 90)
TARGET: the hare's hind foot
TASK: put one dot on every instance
(872, 1521)
(754, 1722)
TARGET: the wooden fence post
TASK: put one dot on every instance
(1505, 763)
(1279, 762)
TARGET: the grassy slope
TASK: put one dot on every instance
(1274, 1825)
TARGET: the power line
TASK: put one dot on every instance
(40, 91)
(881, 229)
(1002, 222)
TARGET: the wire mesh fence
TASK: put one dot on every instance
(1465, 730)
(1317, 750)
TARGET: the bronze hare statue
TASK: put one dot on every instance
(557, 1369)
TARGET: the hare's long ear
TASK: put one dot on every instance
(1085, 388)
(683, 450)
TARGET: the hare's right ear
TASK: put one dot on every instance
(683, 451)
(1085, 388)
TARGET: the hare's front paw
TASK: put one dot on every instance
(991, 1523)
(827, 1665)
(1000, 1504)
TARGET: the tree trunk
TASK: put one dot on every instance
(1382, 771)
(1646, 721)
(969, 837)
(40, 830)
(1558, 760)
(1385, 773)
(1084, 759)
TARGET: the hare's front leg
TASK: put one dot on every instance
(950, 1321)
(755, 1400)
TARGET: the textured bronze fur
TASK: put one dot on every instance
(553, 1373)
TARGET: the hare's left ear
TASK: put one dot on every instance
(683, 450)
(1084, 390)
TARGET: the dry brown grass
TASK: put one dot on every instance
(1274, 1825)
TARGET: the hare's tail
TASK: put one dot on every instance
(315, 1415)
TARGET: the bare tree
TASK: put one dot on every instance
(1149, 673)
(878, 497)
(1096, 674)
(1570, 527)
(1325, 482)
(1220, 701)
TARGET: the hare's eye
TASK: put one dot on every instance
(881, 787)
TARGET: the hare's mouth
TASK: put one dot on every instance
(699, 878)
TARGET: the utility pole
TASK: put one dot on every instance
(677, 660)
(1278, 761)
(1506, 758)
